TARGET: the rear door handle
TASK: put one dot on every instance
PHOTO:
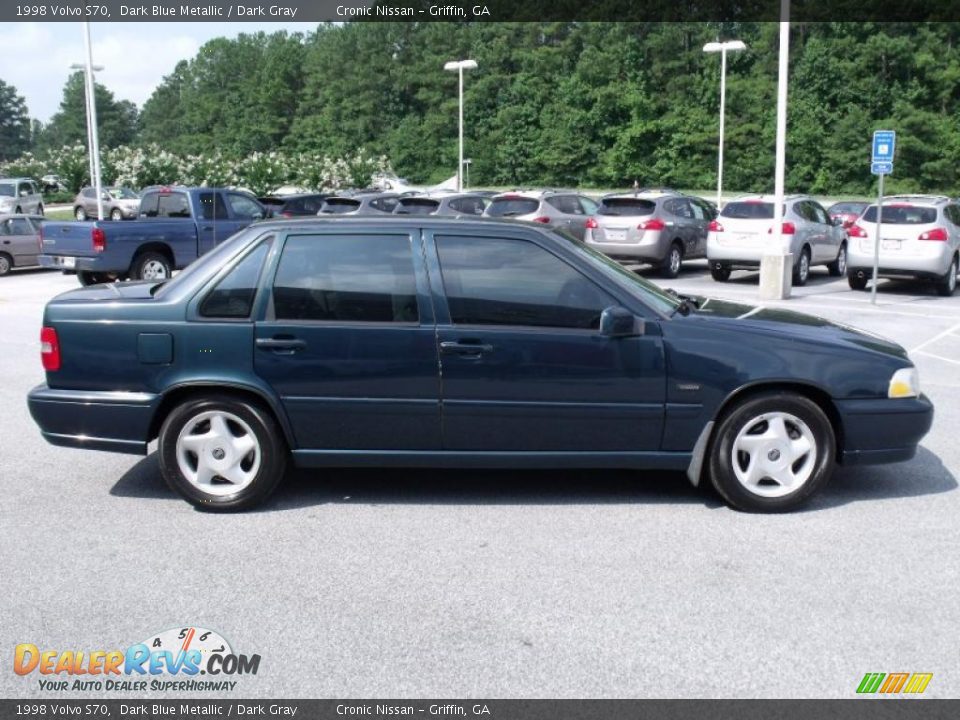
(465, 348)
(281, 346)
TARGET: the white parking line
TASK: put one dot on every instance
(938, 357)
(939, 336)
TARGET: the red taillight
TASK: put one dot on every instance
(99, 239)
(49, 349)
(787, 228)
(856, 231)
(592, 224)
(651, 224)
(939, 234)
(715, 226)
(542, 219)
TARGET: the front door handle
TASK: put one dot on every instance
(467, 349)
(281, 345)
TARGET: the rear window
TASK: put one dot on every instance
(902, 215)
(511, 207)
(165, 204)
(847, 208)
(748, 211)
(338, 206)
(632, 207)
(417, 206)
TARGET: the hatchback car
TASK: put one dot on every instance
(324, 342)
(662, 228)
(20, 196)
(846, 212)
(19, 241)
(919, 240)
(743, 233)
(562, 210)
(362, 203)
(119, 203)
(443, 204)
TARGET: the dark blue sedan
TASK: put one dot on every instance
(423, 342)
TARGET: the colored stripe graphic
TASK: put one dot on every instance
(894, 682)
(870, 682)
(918, 683)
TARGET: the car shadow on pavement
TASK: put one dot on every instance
(925, 475)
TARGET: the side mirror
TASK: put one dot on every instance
(619, 322)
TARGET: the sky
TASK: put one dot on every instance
(35, 57)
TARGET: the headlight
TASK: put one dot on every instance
(905, 383)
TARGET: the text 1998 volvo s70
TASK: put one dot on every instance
(415, 342)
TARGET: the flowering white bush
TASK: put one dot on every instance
(259, 172)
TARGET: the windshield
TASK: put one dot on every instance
(512, 206)
(902, 215)
(123, 194)
(633, 207)
(213, 259)
(417, 206)
(339, 206)
(651, 294)
(7, 190)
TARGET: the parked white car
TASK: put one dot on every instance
(919, 240)
(743, 233)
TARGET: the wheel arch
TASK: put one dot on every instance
(176, 394)
(153, 246)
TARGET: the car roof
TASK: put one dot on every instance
(769, 198)
(929, 199)
(15, 179)
(424, 221)
(641, 195)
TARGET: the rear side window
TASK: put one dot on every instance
(902, 215)
(567, 204)
(678, 207)
(748, 211)
(467, 206)
(513, 282)
(89, 193)
(346, 278)
(18, 226)
(233, 296)
(417, 206)
(173, 205)
(7, 190)
(629, 207)
(511, 207)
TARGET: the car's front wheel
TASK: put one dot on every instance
(116, 214)
(801, 271)
(670, 267)
(151, 266)
(79, 213)
(221, 453)
(772, 452)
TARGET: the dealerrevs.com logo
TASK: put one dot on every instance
(189, 659)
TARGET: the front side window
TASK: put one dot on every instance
(233, 296)
(243, 207)
(495, 281)
(346, 278)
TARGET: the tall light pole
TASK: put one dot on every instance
(86, 103)
(93, 135)
(460, 66)
(722, 48)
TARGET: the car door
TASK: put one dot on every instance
(347, 341)
(212, 225)
(523, 366)
(702, 215)
(830, 235)
(19, 239)
(683, 224)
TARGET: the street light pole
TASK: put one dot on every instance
(722, 48)
(92, 119)
(460, 66)
(86, 104)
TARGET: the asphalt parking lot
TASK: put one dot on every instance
(492, 584)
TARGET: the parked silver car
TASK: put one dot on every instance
(360, 204)
(119, 203)
(445, 204)
(663, 228)
(19, 241)
(20, 195)
(563, 210)
(919, 239)
(743, 233)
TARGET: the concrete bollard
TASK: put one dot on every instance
(776, 276)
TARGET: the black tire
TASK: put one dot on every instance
(801, 270)
(856, 281)
(79, 213)
(151, 265)
(115, 214)
(18, 211)
(40, 210)
(948, 283)
(6, 263)
(94, 278)
(719, 273)
(670, 267)
(270, 450)
(838, 268)
(818, 461)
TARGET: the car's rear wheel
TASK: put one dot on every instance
(221, 453)
(948, 283)
(151, 266)
(838, 268)
(772, 452)
(857, 279)
(79, 213)
(801, 271)
(6, 262)
(670, 267)
(719, 273)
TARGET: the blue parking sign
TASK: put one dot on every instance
(884, 143)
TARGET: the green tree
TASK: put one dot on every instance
(116, 119)
(14, 123)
